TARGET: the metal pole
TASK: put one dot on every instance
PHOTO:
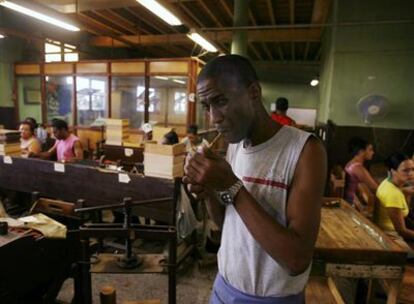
(241, 13)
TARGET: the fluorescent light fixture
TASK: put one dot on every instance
(161, 77)
(179, 81)
(1, 36)
(314, 82)
(203, 42)
(39, 16)
(160, 11)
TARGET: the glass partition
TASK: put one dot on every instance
(29, 97)
(91, 95)
(59, 98)
(168, 102)
(128, 99)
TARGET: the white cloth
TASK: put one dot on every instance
(267, 171)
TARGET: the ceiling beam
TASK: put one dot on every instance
(187, 21)
(142, 19)
(292, 21)
(266, 49)
(218, 37)
(280, 50)
(320, 11)
(227, 9)
(187, 11)
(305, 55)
(271, 12)
(208, 11)
(156, 23)
(318, 53)
(98, 24)
(113, 18)
(114, 38)
(255, 51)
(273, 22)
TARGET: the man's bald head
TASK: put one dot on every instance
(229, 68)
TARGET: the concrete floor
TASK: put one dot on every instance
(194, 285)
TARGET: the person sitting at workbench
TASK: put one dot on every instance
(361, 151)
(393, 194)
(171, 138)
(192, 141)
(67, 147)
(147, 128)
(28, 141)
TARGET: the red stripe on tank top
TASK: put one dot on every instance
(267, 182)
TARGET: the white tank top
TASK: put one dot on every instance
(267, 171)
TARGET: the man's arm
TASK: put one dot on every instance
(45, 155)
(77, 148)
(291, 246)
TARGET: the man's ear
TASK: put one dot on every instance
(255, 91)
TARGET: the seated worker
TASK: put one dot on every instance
(147, 128)
(356, 173)
(192, 141)
(393, 194)
(41, 133)
(280, 116)
(67, 147)
(171, 138)
(29, 144)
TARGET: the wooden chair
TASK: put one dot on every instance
(46, 205)
(321, 290)
(405, 293)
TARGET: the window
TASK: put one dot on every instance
(56, 51)
(91, 99)
(168, 101)
(59, 97)
(180, 102)
(141, 99)
(127, 99)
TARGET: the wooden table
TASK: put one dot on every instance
(98, 187)
(351, 246)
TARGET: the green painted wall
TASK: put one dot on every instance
(28, 110)
(10, 51)
(299, 95)
(291, 82)
(367, 59)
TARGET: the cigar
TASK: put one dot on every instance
(214, 141)
(193, 150)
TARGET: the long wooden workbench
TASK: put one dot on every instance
(100, 187)
(94, 185)
(351, 246)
